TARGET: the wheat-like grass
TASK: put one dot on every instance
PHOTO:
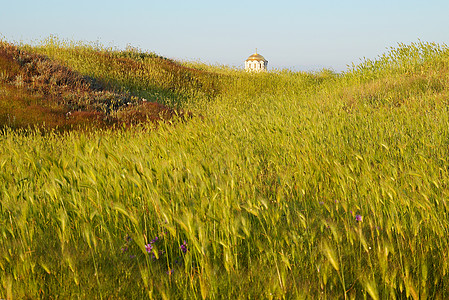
(290, 185)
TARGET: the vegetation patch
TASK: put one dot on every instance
(39, 92)
(293, 185)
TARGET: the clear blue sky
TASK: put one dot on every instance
(302, 35)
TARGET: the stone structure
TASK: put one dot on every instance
(256, 62)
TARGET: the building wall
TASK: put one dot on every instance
(256, 65)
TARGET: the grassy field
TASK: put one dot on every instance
(281, 185)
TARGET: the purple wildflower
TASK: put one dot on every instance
(358, 218)
(149, 248)
(184, 247)
(321, 202)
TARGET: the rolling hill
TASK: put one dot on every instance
(74, 87)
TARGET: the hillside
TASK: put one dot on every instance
(66, 85)
(142, 74)
(293, 185)
(44, 92)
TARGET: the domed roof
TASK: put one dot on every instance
(256, 57)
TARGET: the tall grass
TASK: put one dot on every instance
(143, 74)
(290, 185)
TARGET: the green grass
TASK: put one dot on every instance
(263, 183)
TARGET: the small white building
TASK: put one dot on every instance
(256, 62)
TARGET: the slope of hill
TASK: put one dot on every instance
(37, 91)
(60, 84)
(141, 74)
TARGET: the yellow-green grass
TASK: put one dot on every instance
(290, 185)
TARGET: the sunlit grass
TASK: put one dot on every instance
(284, 185)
